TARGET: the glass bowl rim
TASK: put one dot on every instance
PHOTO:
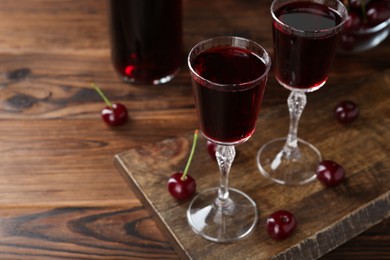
(265, 58)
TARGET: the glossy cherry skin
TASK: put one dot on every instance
(346, 111)
(330, 173)
(378, 12)
(352, 22)
(281, 224)
(180, 189)
(211, 149)
(115, 115)
(356, 4)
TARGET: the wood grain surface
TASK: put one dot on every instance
(60, 194)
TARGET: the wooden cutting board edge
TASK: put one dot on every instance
(164, 228)
(366, 216)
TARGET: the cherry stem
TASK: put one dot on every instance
(184, 176)
(345, 2)
(363, 6)
(101, 94)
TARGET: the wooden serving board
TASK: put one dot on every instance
(327, 217)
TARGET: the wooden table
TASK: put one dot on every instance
(60, 194)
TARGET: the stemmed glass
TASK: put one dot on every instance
(229, 75)
(305, 34)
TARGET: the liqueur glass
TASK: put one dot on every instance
(229, 76)
(305, 36)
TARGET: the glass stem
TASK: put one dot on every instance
(296, 102)
(225, 157)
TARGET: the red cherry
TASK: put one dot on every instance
(211, 148)
(179, 188)
(180, 184)
(356, 4)
(115, 115)
(378, 12)
(281, 224)
(352, 22)
(346, 111)
(330, 173)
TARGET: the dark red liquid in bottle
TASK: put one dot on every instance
(146, 39)
(228, 113)
(303, 61)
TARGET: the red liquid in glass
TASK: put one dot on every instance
(228, 114)
(146, 38)
(303, 62)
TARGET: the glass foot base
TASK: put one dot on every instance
(222, 223)
(288, 168)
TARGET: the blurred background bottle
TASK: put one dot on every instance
(146, 39)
